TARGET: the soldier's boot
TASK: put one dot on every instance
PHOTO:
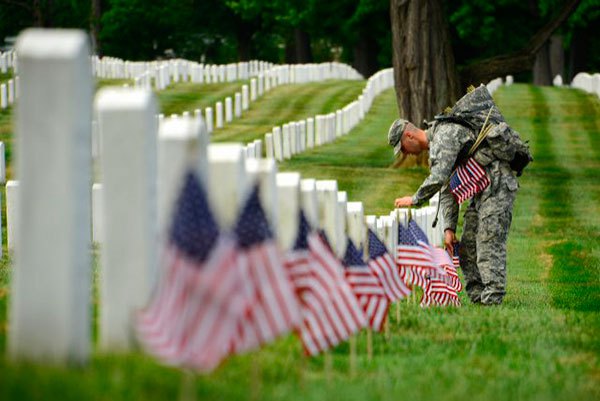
(468, 256)
(491, 255)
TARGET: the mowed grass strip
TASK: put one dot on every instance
(288, 103)
(534, 347)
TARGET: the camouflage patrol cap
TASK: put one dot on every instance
(395, 134)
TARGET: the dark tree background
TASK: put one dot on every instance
(437, 47)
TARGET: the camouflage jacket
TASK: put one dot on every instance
(445, 143)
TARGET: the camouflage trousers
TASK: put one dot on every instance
(483, 245)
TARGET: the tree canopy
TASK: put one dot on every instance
(356, 32)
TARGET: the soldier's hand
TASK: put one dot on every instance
(449, 240)
(403, 202)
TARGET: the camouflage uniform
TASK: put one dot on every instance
(487, 219)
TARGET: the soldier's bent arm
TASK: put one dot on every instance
(446, 143)
(449, 207)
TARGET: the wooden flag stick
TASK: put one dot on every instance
(328, 362)
(353, 356)
(397, 312)
(369, 345)
(188, 392)
(256, 379)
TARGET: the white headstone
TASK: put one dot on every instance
(2, 163)
(238, 105)
(97, 213)
(208, 113)
(356, 223)
(129, 170)
(12, 213)
(309, 201)
(3, 96)
(310, 133)
(277, 144)
(245, 97)
(263, 172)
(288, 191)
(219, 117)
(181, 147)
(228, 110)
(557, 81)
(286, 142)
(341, 235)
(253, 89)
(329, 218)
(229, 184)
(269, 146)
(51, 285)
(258, 147)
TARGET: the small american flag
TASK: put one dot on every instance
(442, 290)
(415, 258)
(193, 313)
(330, 312)
(382, 265)
(468, 180)
(366, 287)
(271, 308)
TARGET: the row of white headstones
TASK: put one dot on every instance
(587, 82)
(142, 164)
(160, 74)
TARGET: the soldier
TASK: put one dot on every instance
(487, 219)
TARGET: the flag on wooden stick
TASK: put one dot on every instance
(366, 287)
(330, 312)
(271, 306)
(191, 319)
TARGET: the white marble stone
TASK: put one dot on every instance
(264, 172)
(310, 133)
(286, 142)
(228, 110)
(269, 149)
(97, 213)
(238, 105)
(258, 148)
(12, 213)
(219, 115)
(309, 200)
(288, 191)
(2, 163)
(229, 184)
(181, 146)
(245, 97)
(253, 90)
(50, 290)
(208, 118)
(329, 218)
(277, 144)
(3, 96)
(341, 231)
(355, 221)
(129, 197)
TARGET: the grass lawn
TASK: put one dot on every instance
(542, 344)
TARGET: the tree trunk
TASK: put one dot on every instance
(95, 26)
(302, 46)
(541, 67)
(424, 69)
(520, 61)
(244, 33)
(365, 55)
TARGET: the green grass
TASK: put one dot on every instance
(543, 343)
(288, 103)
